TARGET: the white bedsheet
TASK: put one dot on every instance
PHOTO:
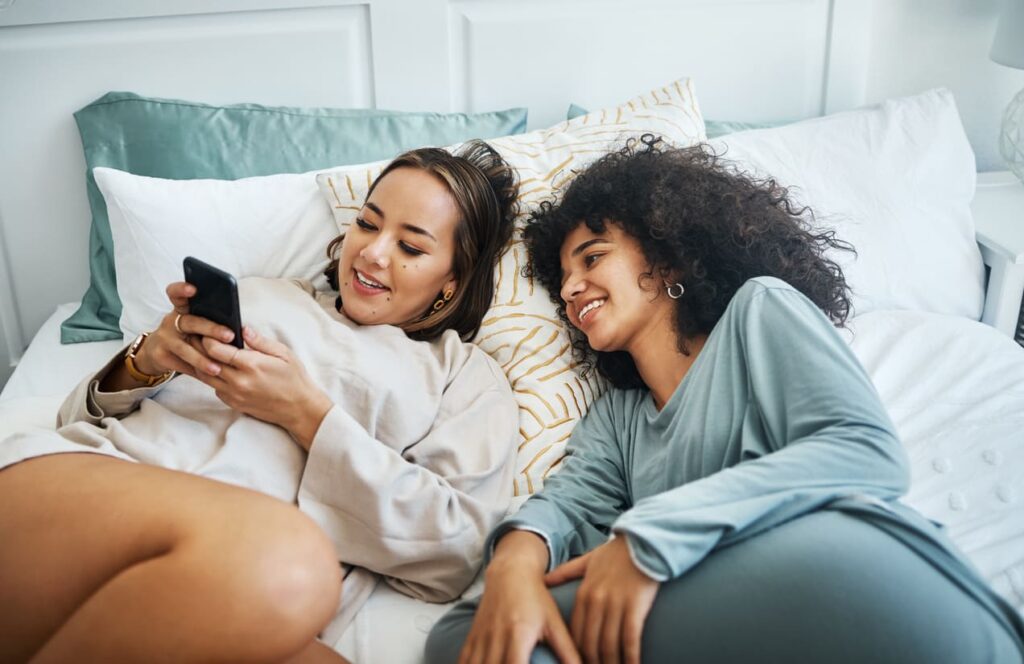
(954, 388)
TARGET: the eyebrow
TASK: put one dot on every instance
(583, 245)
(409, 227)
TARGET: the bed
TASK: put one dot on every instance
(953, 384)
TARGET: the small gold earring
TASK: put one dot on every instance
(444, 299)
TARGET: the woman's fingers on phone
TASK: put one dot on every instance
(190, 352)
(203, 327)
(220, 352)
(179, 293)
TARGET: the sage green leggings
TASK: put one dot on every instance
(827, 587)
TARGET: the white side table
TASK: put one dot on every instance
(998, 210)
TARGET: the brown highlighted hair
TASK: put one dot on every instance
(484, 188)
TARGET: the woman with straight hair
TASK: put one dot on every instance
(201, 502)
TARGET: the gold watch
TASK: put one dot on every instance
(129, 364)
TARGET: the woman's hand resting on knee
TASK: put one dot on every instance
(517, 611)
(612, 602)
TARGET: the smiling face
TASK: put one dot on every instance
(605, 291)
(398, 254)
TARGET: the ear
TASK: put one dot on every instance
(451, 284)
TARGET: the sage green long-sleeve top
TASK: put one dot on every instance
(776, 418)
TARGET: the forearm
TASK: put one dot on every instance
(401, 516)
(671, 532)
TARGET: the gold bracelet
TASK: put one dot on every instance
(133, 371)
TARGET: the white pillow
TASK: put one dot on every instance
(896, 181)
(522, 330)
(271, 226)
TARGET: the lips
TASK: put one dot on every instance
(587, 310)
(366, 285)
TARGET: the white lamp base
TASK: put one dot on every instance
(1011, 138)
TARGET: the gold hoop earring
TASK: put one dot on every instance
(444, 299)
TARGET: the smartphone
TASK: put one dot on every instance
(216, 296)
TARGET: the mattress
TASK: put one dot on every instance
(954, 388)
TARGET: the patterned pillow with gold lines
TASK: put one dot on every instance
(521, 330)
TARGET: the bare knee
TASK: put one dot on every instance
(299, 577)
(283, 573)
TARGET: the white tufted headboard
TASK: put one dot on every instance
(752, 60)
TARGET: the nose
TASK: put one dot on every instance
(572, 287)
(376, 252)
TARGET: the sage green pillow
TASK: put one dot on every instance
(713, 128)
(180, 140)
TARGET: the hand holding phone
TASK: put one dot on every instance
(216, 296)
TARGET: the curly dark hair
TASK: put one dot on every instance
(700, 221)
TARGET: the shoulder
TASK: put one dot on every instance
(760, 286)
(468, 365)
(769, 294)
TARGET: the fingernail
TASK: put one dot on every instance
(248, 332)
(227, 336)
(213, 369)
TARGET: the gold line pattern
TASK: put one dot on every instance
(554, 335)
(561, 352)
(515, 274)
(551, 468)
(495, 319)
(496, 333)
(558, 372)
(541, 399)
(533, 414)
(505, 367)
(334, 192)
(565, 406)
(572, 393)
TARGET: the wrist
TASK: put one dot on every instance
(519, 552)
(309, 417)
(142, 374)
(143, 363)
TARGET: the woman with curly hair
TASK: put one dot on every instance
(734, 497)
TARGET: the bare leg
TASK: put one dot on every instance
(105, 560)
(317, 653)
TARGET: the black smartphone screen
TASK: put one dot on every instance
(216, 296)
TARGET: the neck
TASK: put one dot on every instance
(660, 363)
